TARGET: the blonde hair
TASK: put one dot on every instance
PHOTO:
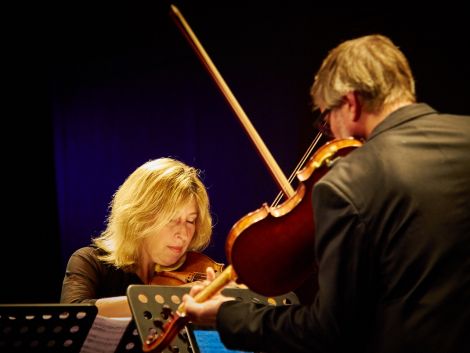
(147, 200)
(370, 65)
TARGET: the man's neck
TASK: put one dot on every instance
(374, 119)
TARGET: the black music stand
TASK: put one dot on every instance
(130, 341)
(151, 306)
(45, 327)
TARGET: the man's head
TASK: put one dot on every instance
(370, 72)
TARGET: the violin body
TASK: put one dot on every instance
(272, 248)
(192, 270)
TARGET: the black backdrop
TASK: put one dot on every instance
(93, 91)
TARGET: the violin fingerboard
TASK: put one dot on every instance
(152, 307)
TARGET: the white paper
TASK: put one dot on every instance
(105, 334)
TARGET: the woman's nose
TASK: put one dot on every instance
(180, 229)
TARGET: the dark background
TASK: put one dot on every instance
(93, 91)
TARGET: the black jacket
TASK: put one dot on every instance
(393, 245)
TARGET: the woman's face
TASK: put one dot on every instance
(166, 246)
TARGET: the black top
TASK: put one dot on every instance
(87, 278)
(393, 245)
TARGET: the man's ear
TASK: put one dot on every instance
(354, 104)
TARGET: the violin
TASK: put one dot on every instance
(193, 269)
(285, 234)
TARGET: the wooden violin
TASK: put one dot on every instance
(193, 269)
(272, 248)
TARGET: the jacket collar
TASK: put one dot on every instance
(402, 115)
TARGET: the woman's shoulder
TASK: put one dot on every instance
(89, 250)
(89, 253)
(88, 257)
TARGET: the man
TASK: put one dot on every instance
(392, 223)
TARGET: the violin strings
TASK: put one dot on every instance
(299, 166)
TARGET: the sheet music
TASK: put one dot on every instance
(105, 334)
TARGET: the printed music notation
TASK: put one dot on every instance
(105, 334)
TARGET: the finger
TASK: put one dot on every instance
(187, 298)
(196, 289)
(210, 274)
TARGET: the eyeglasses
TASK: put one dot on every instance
(324, 114)
(322, 123)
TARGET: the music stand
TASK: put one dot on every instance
(45, 327)
(130, 341)
(151, 306)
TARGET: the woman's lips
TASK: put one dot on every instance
(176, 249)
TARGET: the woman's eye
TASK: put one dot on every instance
(191, 221)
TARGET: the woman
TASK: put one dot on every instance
(156, 216)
